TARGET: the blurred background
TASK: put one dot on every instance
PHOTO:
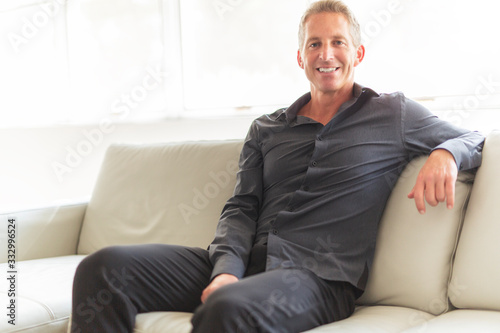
(78, 75)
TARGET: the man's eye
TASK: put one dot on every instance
(338, 43)
(314, 45)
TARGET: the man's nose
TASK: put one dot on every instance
(327, 52)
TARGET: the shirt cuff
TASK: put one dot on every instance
(228, 265)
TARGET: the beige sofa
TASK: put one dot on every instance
(434, 273)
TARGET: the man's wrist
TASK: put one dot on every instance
(225, 276)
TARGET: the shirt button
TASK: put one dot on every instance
(314, 163)
(275, 232)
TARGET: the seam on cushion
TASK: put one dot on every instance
(27, 328)
(457, 241)
(51, 313)
(80, 231)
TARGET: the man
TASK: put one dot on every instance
(295, 243)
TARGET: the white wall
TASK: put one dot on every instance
(52, 165)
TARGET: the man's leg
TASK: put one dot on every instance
(283, 300)
(112, 285)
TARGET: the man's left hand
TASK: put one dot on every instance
(436, 181)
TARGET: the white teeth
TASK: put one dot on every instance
(327, 70)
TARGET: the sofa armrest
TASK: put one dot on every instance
(44, 232)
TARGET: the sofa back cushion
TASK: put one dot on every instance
(476, 275)
(164, 193)
(413, 256)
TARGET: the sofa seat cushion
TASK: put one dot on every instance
(43, 289)
(376, 319)
(160, 322)
(461, 321)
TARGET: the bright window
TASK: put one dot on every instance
(240, 53)
(85, 61)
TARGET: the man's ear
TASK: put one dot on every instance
(299, 59)
(360, 55)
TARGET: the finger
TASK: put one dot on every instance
(418, 196)
(411, 195)
(204, 295)
(450, 194)
(440, 191)
(430, 193)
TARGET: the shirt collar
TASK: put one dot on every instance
(291, 112)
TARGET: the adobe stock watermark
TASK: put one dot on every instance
(224, 6)
(381, 19)
(32, 26)
(406, 166)
(203, 195)
(325, 249)
(437, 305)
(94, 304)
(283, 297)
(266, 308)
(485, 89)
(93, 138)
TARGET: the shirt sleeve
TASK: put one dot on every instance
(424, 132)
(230, 250)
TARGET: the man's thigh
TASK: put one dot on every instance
(155, 277)
(283, 300)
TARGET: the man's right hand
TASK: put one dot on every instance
(219, 281)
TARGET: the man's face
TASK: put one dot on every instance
(328, 55)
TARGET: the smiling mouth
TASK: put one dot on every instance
(328, 70)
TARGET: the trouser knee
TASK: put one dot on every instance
(100, 293)
(226, 312)
(106, 266)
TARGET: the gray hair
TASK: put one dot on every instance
(331, 6)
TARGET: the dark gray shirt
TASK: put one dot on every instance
(314, 195)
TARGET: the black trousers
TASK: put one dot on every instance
(111, 286)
